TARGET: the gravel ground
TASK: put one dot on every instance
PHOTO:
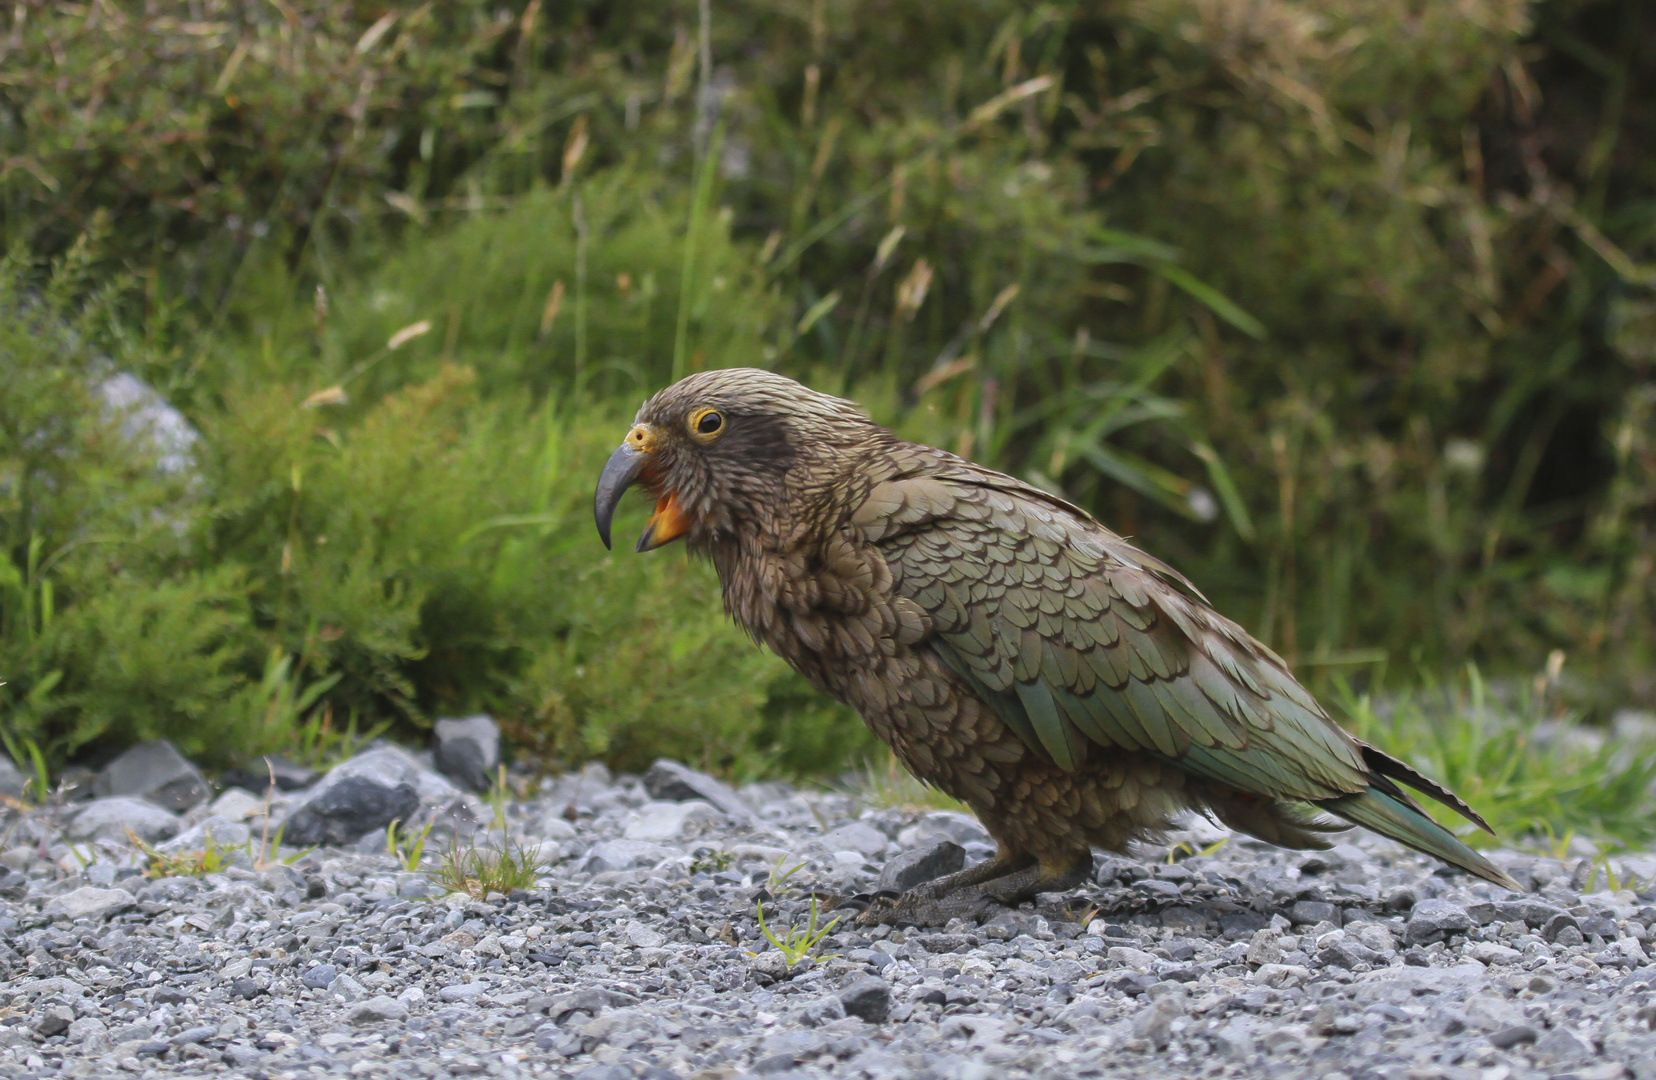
(634, 954)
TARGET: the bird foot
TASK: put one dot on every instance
(910, 909)
(979, 893)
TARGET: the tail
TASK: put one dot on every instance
(1389, 812)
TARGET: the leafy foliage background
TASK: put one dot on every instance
(1344, 308)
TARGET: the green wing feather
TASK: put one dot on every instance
(1079, 641)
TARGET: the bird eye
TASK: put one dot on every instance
(707, 423)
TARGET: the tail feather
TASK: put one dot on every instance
(1386, 765)
(1399, 818)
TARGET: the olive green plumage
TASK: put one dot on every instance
(1073, 690)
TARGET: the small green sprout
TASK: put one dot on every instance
(1613, 881)
(796, 943)
(211, 859)
(409, 851)
(1182, 851)
(711, 862)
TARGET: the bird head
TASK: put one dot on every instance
(715, 450)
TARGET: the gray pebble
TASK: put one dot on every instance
(155, 771)
(868, 999)
(320, 976)
(1312, 912)
(86, 1027)
(89, 903)
(463, 991)
(54, 1020)
(377, 1010)
(672, 782)
(1509, 1037)
(1433, 920)
(857, 837)
(910, 868)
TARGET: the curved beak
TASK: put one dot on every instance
(620, 473)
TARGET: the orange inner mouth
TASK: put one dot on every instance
(669, 522)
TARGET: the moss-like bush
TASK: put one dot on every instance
(109, 628)
(438, 554)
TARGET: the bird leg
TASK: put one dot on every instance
(981, 891)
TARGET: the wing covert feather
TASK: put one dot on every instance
(1082, 643)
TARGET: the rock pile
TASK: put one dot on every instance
(638, 952)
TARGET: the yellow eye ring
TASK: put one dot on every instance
(706, 424)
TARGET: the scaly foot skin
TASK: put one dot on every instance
(980, 892)
(911, 910)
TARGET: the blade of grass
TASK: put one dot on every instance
(700, 200)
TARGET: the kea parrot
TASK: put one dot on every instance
(1074, 691)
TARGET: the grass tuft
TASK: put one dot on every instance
(214, 857)
(479, 871)
(1534, 776)
(211, 859)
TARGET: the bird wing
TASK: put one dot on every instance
(1079, 640)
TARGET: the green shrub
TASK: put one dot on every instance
(213, 129)
(533, 307)
(109, 628)
(438, 555)
(402, 554)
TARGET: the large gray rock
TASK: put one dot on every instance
(1562, 1045)
(868, 998)
(347, 810)
(150, 421)
(624, 855)
(1434, 920)
(155, 771)
(468, 751)
(670, 781)
(1155, 1023)
(13, 885)
(54, 1020)
(1531, 912)
(944, 825)
(363, 795)
(89, 902)
(591, 1000)
(109, 819)
(257, 775)
(1402, 984)
(594, 784)
(377, 1010)
(910, 868)
(224, 833)
(390, 766)
(855, 837)
(666, 820)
